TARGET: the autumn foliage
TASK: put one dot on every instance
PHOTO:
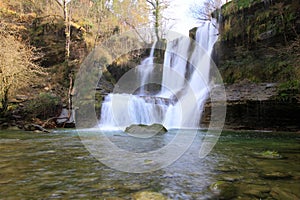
(17, 69)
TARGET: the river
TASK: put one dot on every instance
(242, 165)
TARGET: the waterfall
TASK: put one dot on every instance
(194, 95)
(184, 90)
(175, 66)
(145, 69)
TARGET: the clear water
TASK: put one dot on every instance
(57, 166)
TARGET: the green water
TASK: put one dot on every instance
(57, 166)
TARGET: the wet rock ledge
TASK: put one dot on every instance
(257, 106)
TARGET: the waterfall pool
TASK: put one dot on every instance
(242, 165)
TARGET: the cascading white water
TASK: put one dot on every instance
(145, 69)
(175, 66)
(195, 92)
(188, 86)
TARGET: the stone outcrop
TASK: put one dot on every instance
(257, 106)
(145, 131)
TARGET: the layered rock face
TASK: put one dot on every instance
(259, 41)
(258, 55)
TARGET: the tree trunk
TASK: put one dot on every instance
(67, 52)
(66, 12)
(157, 13)
(67, 30)
(70, 96)
(4, 102)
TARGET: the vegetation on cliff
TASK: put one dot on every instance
(261, 42)
(17, 68)
(34, 34)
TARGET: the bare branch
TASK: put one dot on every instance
(60, 3)
(202, 12)
(152, 3)
(135, 30)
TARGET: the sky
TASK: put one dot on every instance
(179, 10)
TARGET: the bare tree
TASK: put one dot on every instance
(100, 10)
(66, 15)
(156, 8)
(203, 12)
(64, 6)
(130, 14)
(17, 69)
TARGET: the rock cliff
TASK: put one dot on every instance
(258, 55)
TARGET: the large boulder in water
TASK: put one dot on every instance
(145, 131)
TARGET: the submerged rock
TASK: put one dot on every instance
(275, 175)
(216, 186)
(146, 195)
(114, 198)
(223, 189)
(255, 191)
(227, 169)
(133, 187)
(232, 177)
(279, 193)
(268, 155)
(145, 131)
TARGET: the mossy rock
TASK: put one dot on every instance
(216, 186)
(192, 33)
(275, 175)
(223, 189)
(268, 155)
(145, 131)
(146, 195)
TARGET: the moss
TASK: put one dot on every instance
(289, 91)
(107, 75)
(98, 103)
(145, 195)
(268, 155)
(246, 20)
(261, 42)
(216, 185)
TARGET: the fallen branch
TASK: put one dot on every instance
(54, 118)
(33, 127)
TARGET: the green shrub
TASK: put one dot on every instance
(46, 105)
